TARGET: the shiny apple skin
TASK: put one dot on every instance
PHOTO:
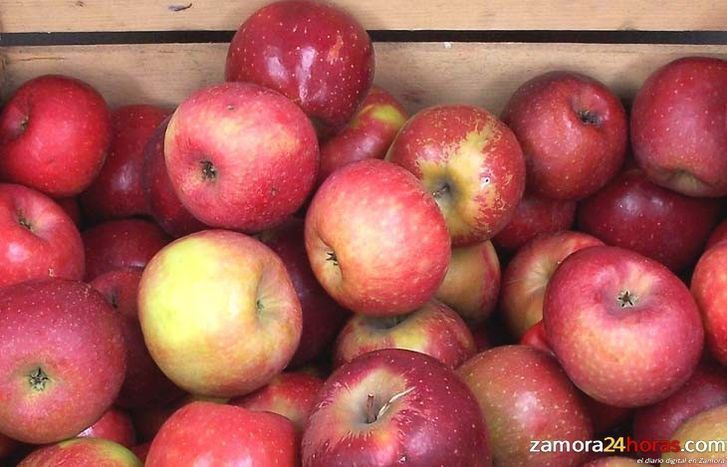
(82, 452)
(709, 288)
(115, 425)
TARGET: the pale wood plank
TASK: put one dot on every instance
(158, 15)
(421, 74)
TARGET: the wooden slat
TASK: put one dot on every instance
(163, 15)
(421, 74)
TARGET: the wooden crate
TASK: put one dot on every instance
(428, 51)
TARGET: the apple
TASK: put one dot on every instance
(148, 420)
(703, 429)
(573, 131)
(72, 209)
(61, 359)
(472, 282)
(535, 215)
(624, 327)
(120, 244)
(367, 136)
(535, 337)
(376, 240)
(200, 294)
(54, 134)
(141, 451)
(678, 126)
(314, 53)
(524, 395)
(164, 205)
(613, 461)
(241, 156)
(205, 433)
(631, 212)
(291, 395)
(718, 235)
(37, 238)
(709, 288)
(323, 318)
(82, 452)
(706, 389)
(482, 339)
(395, 406)
(528, 273)
(117, 191)
(470, 162)
(144, 384)
(434, 329)
(115, 426)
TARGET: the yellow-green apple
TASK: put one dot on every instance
(120, 244)
(71, 207)
(291, 395)
(117, 191)
(709, 287)
(634, 213)
(62, 359)
(470, 162)
(323, 318)
(625, 328)
(367, 136)
(240, 156)
(528, 273)
(535, 215)
(524, 395)
(706, 389)
(613, 461)
(54, 134)
(472, 282)
(115, 425)
(144, 383)
(392, 407)
(376, 240)
(205, 433)
(164, 205)
(37, 238)
(718, 235)
(200, 294)
(678, 126)
(707, 434)
(434, 329)
(573, 131)
(314, 53)
(82, 452)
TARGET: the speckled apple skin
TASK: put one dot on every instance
(82, 452)
(709, 287)
(623, 356)
(434, 421)
(706, 426)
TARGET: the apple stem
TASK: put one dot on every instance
(331, 256)
(370, 415)
(25, 222)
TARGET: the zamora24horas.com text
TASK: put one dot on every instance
(626, 445)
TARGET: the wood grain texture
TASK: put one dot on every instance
(421, 74)
(164, 15)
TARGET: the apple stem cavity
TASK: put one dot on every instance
(25, 222)
(209, 172)
(331, 256)
(38, 379)
(626, 299)
(589, 118)
(442, 191)
(259, 306)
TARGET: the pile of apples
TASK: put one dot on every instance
(287, 269)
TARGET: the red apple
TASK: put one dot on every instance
(141, 451)
(200, 294)
(625, 328)
(291, 395)
(707, 429)
(54, 134)
(482, 340)
(164, 205)
(144, 384)
(718, 235)
(367, 136)
(61, 359)
(528, 273)
(204, 433)
(709, 287)
(535, 215)
(314, 53)
(573, 132)
(118, 191)
(376, 240)
(37, 238)
(72, 209)
(240, 156)
(613, 461)
(631, 212)
(535, 337)
(120, 244)
(82, 452)
(395, 407)
(472, 283)
(470, 162)
(434, 329)
(524, 395)
(678, 126)
(115, 426)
